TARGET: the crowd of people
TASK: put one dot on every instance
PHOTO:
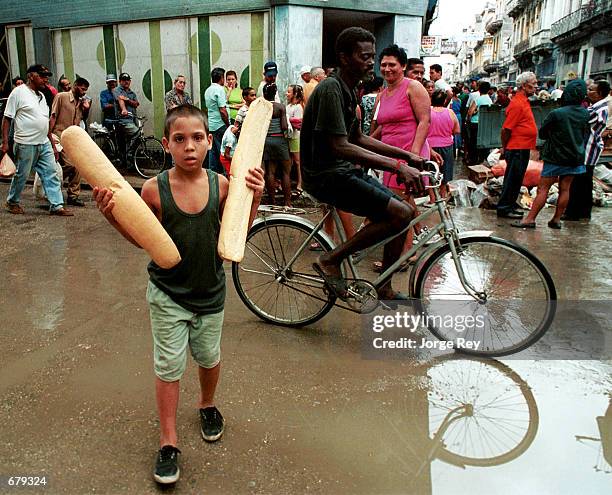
(349, 138)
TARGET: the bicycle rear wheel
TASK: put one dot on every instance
(105, 143)
(149, 157)
(275, 292)
(519, 296)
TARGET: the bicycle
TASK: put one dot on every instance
(276, 281)
(147, 153)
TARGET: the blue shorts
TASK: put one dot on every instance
(551, 170)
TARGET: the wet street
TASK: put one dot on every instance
(305, 412)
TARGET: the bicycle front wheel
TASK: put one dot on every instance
(518, 296)
(489, 411)
(275, 291)
(149, 157)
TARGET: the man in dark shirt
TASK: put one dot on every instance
(331, 142)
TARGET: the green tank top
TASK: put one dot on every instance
(197, 283)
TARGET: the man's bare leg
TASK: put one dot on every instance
(399, 216)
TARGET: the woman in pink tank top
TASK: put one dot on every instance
(401, 118)
(442, 129)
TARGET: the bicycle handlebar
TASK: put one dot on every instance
(435, 174)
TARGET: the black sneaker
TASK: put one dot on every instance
(166, 466)
(211, 423)
(75, 202)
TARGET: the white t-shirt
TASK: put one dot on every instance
(229, 139)
(30, 113)
(442, 84)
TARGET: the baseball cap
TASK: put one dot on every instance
(124, 76)
(270, 69)
(110, 77)
(305, 69)
(40, 69)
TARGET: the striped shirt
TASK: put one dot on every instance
(594, 146)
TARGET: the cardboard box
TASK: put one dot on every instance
(479, 173)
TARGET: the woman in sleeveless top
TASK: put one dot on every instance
(442, 129)
(295, 113)
(402, 114)
(233, 94)
(276, 149)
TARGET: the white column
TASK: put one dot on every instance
(407, 33)
(298, 41)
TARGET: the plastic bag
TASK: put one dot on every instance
(7, 167)
(493, 158)
(39, 190)
(460, 190)
(479, 195)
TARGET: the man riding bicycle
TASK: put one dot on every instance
(331, 143)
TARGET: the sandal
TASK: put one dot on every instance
(337, 285)
(554, 225)
(520, 225)
(315, 246)
(377, 266)
(297, 193)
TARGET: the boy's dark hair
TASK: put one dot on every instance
(246, 91)
(81, 81)
(484, 87)
(373, 85)
(269, 91)
(603, 87)
(217, 74)
(414, 61)
(183, 111)
(347, 40)
(436, 67)
(394, 51)
(438, 98)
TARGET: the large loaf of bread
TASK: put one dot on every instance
(130, 211)
(237, 210)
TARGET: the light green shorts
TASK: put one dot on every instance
(294, 145)
(174, 328)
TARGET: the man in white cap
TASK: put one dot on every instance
(107, 101)
(305, 75)
(310, 83)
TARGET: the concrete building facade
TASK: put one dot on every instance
(584, 37)
(154, 40)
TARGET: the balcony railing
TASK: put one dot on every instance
(495, 25)
(514, 7)
(541, 40)
(521, 46)
(581, 16)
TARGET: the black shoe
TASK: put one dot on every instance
(509, 214)
(74, 202)
(211, 423)
(166, 466)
